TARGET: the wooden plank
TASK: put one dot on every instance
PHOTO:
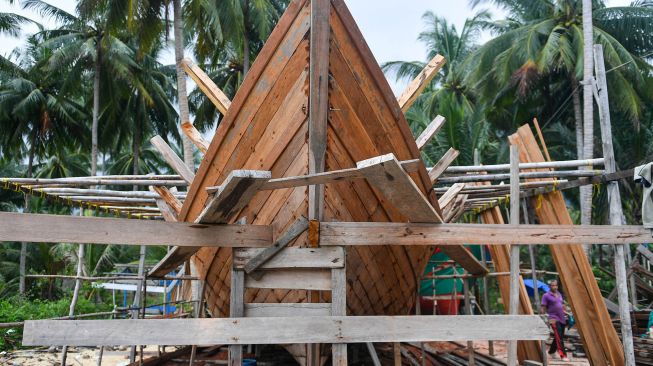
(295, 279)
(97, 230)
(263, 310)
(331, 257)
(339, 308)
(422, 80)
(373, 233)
(236, 310)
(208, 87)
(431, 130)
(515, 278)
(195, 136)
(385, 173)
(268, 253)
(169, 198)
(450, 195)
(599, 337)
(332, 329)
(443, 164)
(168, 212)
(172, 159)
(234, 194)
(410, 166)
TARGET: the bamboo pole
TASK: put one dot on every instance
(527, 175)
(523, 166)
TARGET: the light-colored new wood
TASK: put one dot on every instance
(208, 87)
(169, 198)
(195, 136)
(450, 195)
(372, 233)
(96, 230)
(422, 80)
(239, 331)
(443, 164)
(328, 257)
(172, 159)
(430, 131)
(262, 310)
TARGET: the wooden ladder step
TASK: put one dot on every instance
(290, 258)
(257, 310)
(292, 279)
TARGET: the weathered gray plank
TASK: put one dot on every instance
(98, 230)
(287, 310)
(443, 164)
(328, 257)
(172, 159)
(338, 329)
(339, 308)
(268, 253)
(234, 194)
(431, 130)
(371, 233)
(295, 279)
(385, 174)
(236, 310)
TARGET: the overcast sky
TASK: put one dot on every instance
(390, 27)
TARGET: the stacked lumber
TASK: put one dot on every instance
(599, 337)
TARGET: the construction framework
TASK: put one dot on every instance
(312, 216)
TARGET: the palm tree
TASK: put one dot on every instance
(447, 95)
(85, 44)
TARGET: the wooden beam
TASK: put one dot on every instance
(288, 236)
(373, 233)
(208, 87)
(332, 329)
(422, 80)
(79, 230)
(172, 203)
(450, 195)
(431, 130)
(263, 310)
(295, 279)
(386, 175)
(410, 166)
(443, 164)
(327, 257)
(195, 136)
(172, 159)
(235, 193)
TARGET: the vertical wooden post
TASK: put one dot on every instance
(317, 122)
(418, 311)
(514, 249)
(588, 112)
(137, 295)
(531, 254)
(396, 348)
(616, 211)
(468, 311)
(237, 310)
(78, 286)
(339, 308)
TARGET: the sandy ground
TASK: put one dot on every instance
(76, 357)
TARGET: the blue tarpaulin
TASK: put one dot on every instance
(541, 286)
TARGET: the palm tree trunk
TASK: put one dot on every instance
(246, 60)
(588, 109)
(184, 113)
(96, 109)
(22, 265)
(136, 151)
(578, 117)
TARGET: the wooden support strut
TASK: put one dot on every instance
(422, 80)
(430, 131)
(208, 87)
(172, 159)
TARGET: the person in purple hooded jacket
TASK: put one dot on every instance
(553, 306)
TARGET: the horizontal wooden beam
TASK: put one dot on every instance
(410, 166)
(295, 279)
(371, 233)
(263, 310)
(96, 230)
(329, 257)
(283, 330)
